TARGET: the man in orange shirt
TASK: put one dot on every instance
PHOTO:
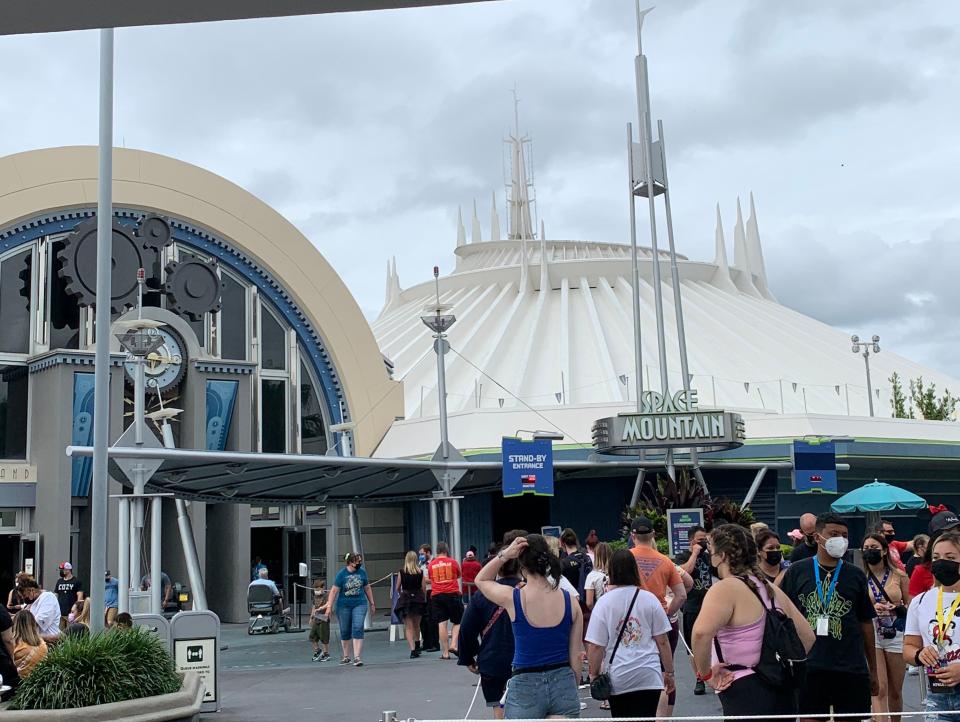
(657, 574)
(446, 603)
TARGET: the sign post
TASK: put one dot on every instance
(527, 467)
(195, 637)
(679, 524)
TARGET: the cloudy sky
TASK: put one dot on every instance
(368, 130)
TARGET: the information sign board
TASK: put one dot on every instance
(527, 467)
(199, 656)
(814, 467)
(679, 524)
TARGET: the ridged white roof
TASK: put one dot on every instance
(561, 324)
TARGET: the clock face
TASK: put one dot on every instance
(163, 368)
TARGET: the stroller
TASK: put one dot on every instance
(267, 614)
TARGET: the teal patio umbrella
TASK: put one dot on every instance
(878, 496)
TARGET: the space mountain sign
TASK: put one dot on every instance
(668, 421)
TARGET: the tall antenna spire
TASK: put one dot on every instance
(494, 218)
(475, 225)
(521, 224)
(461, 231)
(757, 265)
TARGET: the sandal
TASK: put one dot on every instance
(345, 660)
(605, 704)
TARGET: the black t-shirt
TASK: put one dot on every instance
(67, 590)
(842, 649)
(801, 551)
(7, 667)
(702, 580)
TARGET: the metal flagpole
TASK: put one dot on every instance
(99, 501)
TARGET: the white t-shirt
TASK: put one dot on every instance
(922, 622)
(46, 609)
(637, 663)
(597, 581)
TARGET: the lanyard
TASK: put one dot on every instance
(943, 622)
(878, 594)
(825, 600)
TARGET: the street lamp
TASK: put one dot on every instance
(541, 435)
(866, 347)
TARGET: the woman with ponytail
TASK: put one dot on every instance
(547, 632)
(731, 623)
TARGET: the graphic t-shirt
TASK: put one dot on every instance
(67, 590)
(657, 572)
(351, 585)
(444, 575)
(636, 665)
(702, 579)
(849, 606)
(319, 602)
(597, 581)
(922, 622)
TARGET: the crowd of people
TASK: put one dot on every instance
(772, 630)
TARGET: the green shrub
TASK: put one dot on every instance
(617, 544)
(110, 667)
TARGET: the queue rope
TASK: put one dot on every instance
(381, 579)
(726, 718)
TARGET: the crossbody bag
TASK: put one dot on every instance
(602, 687)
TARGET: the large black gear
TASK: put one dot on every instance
(193, 286)
(78, 266)
(155, 235)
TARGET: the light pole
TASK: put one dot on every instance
(438, 318)
(866, 346)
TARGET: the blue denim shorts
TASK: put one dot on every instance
(351, 621)
(942, 702)
(535, 695)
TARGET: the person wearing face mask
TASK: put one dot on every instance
(351, 596)
(922, 577)
(835, 599)
(896, 548)
(808, 547)
(932, 639)
(770, 555)
(889, 588)
(699, 567)
(731, 625)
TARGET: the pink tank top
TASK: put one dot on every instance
(741, 645)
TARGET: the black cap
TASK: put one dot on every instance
(943, 520)
(641, 525)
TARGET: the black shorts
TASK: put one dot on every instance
(751, 696)
(822, 689)
(445, 607)
(493, 689)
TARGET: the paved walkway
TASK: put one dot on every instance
(271, 677)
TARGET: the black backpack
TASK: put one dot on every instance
(783, 659)
(575, 567)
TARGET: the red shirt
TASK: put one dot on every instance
(444, 575)
(921, 580)
(896, 548)
(471, 568)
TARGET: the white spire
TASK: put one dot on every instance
(475, 225)
(521, 225)
(494, 218)
(757, 265)
(721, 277)
(524, 267)
(461, 231)
(545, 284)
(741, 256)
(392, 296)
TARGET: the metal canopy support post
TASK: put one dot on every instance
(99, 501)
(156, 586)
(434, 534)
(754, 487)
(637, 486)
(123, 542)
(355, 540)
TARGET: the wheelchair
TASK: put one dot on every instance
(267, 615)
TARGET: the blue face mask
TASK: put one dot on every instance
(422, 558)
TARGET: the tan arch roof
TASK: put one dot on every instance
(38, 181)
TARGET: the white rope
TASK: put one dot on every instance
(473, 701)
(727, 718)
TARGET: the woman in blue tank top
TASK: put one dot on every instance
(547, 632)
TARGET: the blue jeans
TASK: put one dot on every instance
(351, 620)
(534, 695)
(942, 702)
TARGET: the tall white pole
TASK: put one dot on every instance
(156, 587)
(866, 361)
(634, 274)
(123, 543)
(99, 500)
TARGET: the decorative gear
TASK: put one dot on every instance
(154, 232)
(193, 286)
(78, 266)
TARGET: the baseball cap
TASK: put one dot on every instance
(641, 525)
(66, 565)
(943, 520)
(471, 555)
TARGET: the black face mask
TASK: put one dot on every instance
(773, 557)
(946, 572)
(810, 540)
(889, 535)
(872, 556)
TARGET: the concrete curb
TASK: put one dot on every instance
(182, 706)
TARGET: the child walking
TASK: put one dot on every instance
(320, 622)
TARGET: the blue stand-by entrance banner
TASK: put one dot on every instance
(814, 467)
(527, 467)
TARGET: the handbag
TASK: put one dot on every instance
(899, 611)
(601, 687)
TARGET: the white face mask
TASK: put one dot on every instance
(836, 546)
